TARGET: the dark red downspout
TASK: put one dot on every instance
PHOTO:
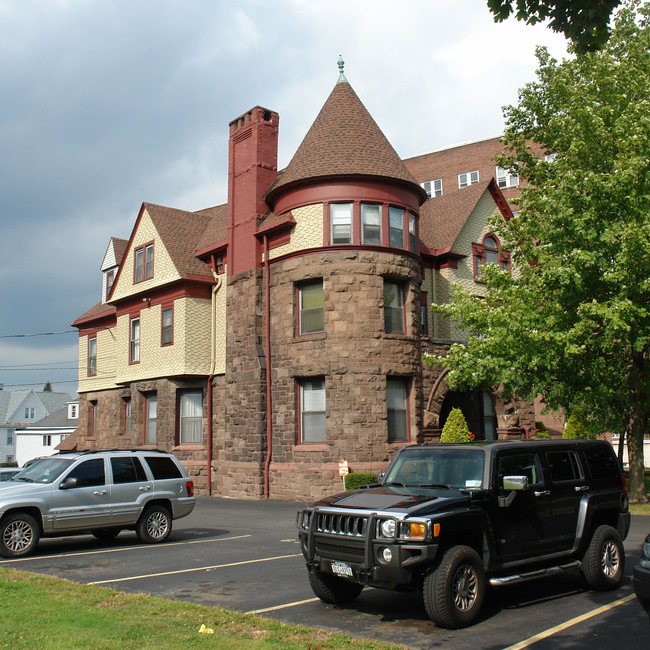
(209, 388)
(267, 355)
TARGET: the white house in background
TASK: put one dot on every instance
(42, 437)
(22, 408)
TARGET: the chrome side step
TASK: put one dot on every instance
(522, 577)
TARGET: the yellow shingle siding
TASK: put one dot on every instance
(307, 233)
(220, 330)
(475, 228)
(189, 354)
(105, 377)
(164, 270)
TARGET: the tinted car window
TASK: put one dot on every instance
(563, 465)
(89, 473)
(127, 470)
(520, 465)
(163, 467)
(602, 462)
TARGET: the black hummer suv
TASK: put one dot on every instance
(449, 519)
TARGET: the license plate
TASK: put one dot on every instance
(342, 569)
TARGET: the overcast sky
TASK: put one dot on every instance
(109, 103)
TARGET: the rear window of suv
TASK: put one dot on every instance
(127, 470)
(163, 467)
(602, 462)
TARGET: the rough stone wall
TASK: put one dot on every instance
(355, 357)
(239, 395)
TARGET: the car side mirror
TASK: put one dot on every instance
(514, 484)
(69, 483)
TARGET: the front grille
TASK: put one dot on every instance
(349, 552)
(335, 524)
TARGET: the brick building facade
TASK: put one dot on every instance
(265, 340)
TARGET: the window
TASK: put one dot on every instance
(110, 278)
(30, 413)
(92, 356)
(144, 263)
(92, 420)
(433, 188)
(397, 409)
(312, 410)
(506, 178)
(467, 178)
(341, 223)
(10, 436)
(521, 465)
(311, 314)
(218, 265)
(396, 227)
(151, 418)
(127, 470)
(134, 351)
(73, 411)
(393, 307)
(190, 417)
(564, 466)
(370, 224)
(488, 253)
(127, 416)
(412, 237)
(47, 441)
(167, 327)
(163, 467)
(424, 314)
(89, 473)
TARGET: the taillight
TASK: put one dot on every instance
(190, 488)
(624, 483)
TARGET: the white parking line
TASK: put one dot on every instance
(574, 621)
(139, 547)
(285, 606)
(203, 568)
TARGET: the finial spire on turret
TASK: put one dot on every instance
(342, 79)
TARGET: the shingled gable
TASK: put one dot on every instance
(443, 217)
(344, 141)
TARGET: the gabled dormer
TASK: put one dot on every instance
(110, 265)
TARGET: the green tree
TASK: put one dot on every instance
(573, 322)
(47, 388)
(577, 426)
(455, 428)
(584, 22)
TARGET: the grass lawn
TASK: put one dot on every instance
(43, 612)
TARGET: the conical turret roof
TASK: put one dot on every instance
(344, 141)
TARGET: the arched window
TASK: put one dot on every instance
(488, 253)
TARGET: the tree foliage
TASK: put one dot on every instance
(584, 22)
(455, 428)
(577, 426)
(573, 322)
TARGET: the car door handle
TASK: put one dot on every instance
(543, 493)
(144, 488)
(100, 492)
(581, 488)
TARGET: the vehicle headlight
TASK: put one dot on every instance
(387, 528)
(645, 554)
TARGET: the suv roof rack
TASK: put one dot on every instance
(103, 451)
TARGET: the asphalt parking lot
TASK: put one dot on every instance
(244, 555)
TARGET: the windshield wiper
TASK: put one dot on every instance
(436, 485)
(22, 478)
(395, 483)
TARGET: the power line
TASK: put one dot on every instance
(27, 365)
(21, 336)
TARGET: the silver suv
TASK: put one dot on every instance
(102, 492)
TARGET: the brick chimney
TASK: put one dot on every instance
(252, 168)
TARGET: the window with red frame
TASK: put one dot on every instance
(488, 253)
(92, 356)
(167, 326)
(144, 263)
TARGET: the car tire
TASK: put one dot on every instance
(19, 535)
(454, 592)
(333, 590)
(106, 534)
(154, 525)
(604, 560)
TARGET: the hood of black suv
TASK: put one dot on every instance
(416, 500)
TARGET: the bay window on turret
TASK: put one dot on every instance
(341, 223)
(371, 224)
(312, 410)
(310, 308)
(393, 307)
